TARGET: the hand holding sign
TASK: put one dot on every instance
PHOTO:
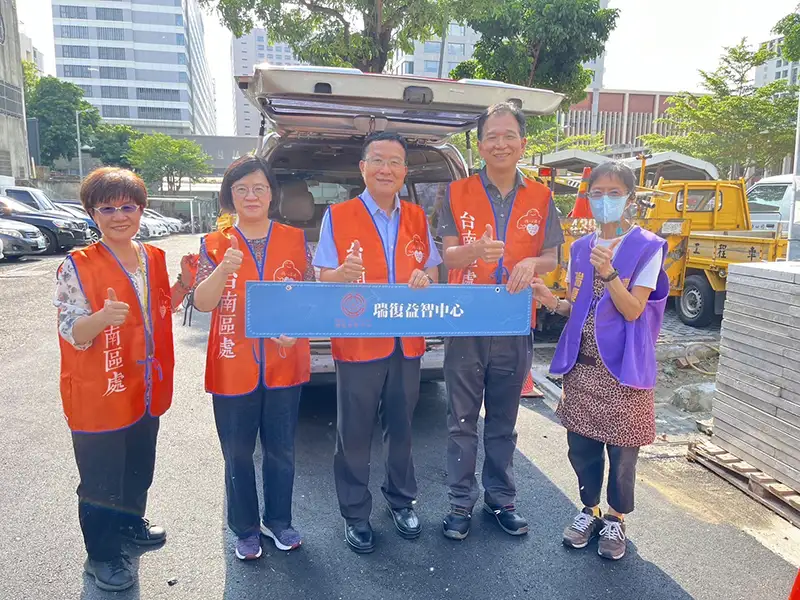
(521, 276)
(601, 258)
(114, 311)
(489, 249)
(232, 261)
(353, 266)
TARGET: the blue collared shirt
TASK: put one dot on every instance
(327, 257)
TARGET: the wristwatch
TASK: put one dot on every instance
(610, 278)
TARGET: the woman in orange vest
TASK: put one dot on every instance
(115, 331)
(255, 383)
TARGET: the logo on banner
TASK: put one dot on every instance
(354, 305)
(287, 272)
(416, 249)
(530, 222)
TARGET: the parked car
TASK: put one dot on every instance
(150, 228)
(40, 200)
(18, 239)
(173, 224)
(770, 200)
(77, 211)
(61, 232)
(319, 118)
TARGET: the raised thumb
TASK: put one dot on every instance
(489, 234)
(112, 295)
(356, 247)
(234, 242)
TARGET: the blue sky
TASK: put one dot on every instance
(658, 45)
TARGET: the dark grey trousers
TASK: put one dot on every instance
(478, 371)
(388, 388)
(587, 457)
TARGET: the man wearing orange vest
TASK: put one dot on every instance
(377, 238)
(497, 227)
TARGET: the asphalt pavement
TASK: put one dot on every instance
(692, 535)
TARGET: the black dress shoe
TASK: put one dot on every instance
(508, 518)
(456, 523)
(406, 522)
(112, 575)
(359, 538)
(141, 533)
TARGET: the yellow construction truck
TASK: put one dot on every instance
(707, 226)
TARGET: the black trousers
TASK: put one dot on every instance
(116, 471)
(486, 371)
(270, 414)
(388, 389)
(588, 459)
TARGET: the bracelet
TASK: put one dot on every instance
(554, 310)
(186, 289)
(612, 277)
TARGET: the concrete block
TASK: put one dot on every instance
(742, 318)
(768, 311)
(736, 365)
(757, 291)
(775, 432)
(776, 271)
(752, 331)
(746, 382)
(759, 303)
(784, 287)
(756, 358)
(736, 388)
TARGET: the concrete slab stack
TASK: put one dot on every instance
(757, 401)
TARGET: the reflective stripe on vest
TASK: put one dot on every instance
(473, 210)
(127, 370)
(232, 360)
(351, 222)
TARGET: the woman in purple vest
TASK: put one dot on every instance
(615, 303)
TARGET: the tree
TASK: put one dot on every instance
(339, 33)
(546, 141)
(789, 28)
(30, 77)
(111, 144)
(160, 159)
(537, 43)
(736, 125)
(54, 102)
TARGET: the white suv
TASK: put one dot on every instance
(320, 117)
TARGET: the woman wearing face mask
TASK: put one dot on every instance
(255, 383)
(617, 292)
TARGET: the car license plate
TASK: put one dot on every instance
(40, 243)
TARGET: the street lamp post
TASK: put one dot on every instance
(80, 154)
(795, 172)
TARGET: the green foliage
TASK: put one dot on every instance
(111, 144)
(789, 28)
(546, 141)
(160, 159)
(340, 33)
(564, 202)
(736, 125)
(30, 76)
(54, 102)
(538, 43)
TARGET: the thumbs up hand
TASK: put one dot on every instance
(601, 258)
(353, 266)
(489, 249)
(114, 311)
(232, 261)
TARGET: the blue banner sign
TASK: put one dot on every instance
(306, 310)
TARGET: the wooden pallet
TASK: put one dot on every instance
(776, 496)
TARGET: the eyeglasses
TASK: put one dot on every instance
(597, 195)
(241, 191)
(125, 209)
(379, 163)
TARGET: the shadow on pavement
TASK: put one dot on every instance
(488, 564)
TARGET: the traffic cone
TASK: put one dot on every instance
(582, 210)
(529, 390)
(795, 593)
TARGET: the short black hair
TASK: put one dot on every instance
(384, 136)
(242, 167)
(503, 108)
(617, 170)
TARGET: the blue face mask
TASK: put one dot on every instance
(608, 209)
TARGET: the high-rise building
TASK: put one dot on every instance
(30, 52)
(140, 62)
(14, 162)
(246, 52)
(777, 68)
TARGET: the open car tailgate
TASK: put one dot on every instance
(324, 101)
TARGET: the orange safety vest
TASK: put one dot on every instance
(233, 361)
(524, 235)
(350, 222)
(127, 370)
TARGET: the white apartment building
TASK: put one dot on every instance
(30, 52)
(246, 52)
(140, 62)
(776, 68)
